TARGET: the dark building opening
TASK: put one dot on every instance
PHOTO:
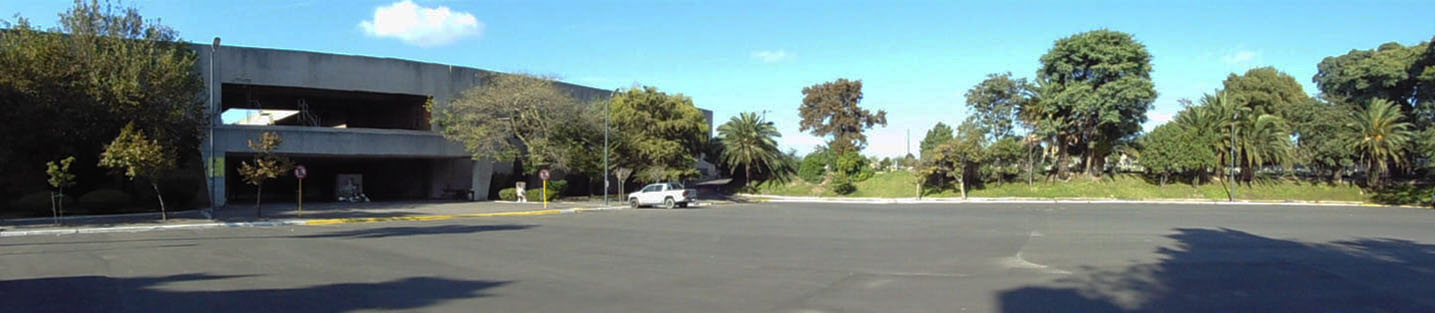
(293, 106)
(382, 179)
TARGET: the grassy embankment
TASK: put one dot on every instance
(1126, 187)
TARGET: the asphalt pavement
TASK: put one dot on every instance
(968, 257)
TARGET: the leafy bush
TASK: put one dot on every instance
(813, 166)
(537, 195)
(843, 186)
(508, 194)
(103, 200)
(38, 204)
(555, 189)
(854, 166)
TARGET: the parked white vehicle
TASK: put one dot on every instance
(666, 195)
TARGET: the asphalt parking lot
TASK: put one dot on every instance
(758, 258)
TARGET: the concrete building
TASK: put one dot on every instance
(341, 115)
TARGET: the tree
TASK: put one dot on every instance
(1404, 75)
(139, 156)
(512, 116)
(660, 135)
(939, 134)
(832, 108)
(814, 165)
(750, 141)
(1004, 159)
(1323, 141)
(995, 103)
(1174, 149)
(266, 166)
(101, 68)
(1381, 137)
(956, 159)
(1266, 91)
(1099, 86)
(60, 177)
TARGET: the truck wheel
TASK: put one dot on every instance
(668, 203)
(633, 203)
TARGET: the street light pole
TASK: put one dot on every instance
(608, 113)
(1230, 186)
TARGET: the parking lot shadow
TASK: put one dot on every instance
(381, 232)
(159, 294)
(1226, 270)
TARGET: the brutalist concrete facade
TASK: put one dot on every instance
(438, 166)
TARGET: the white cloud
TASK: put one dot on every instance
(771, 56)
(420, 26)
(1239, 57)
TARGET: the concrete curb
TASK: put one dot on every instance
(293, 222)
(789, 199)
(131, 229)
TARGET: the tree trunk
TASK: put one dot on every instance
(163, 213)
(1061, 158)
(962, 185)
(1096, 166)
(258, 195)
(747, 175)
(1163, 179)
(1336, 175)
(53, 211)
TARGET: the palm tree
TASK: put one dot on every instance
(1380, 137)
(750, 142)
(1260, 138)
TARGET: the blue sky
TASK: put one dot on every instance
(915, 58)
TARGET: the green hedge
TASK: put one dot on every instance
(38, 204)
(105, 200)
(508, 194)
(555, 189)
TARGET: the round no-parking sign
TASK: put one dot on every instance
(300, 172)
(543, 174)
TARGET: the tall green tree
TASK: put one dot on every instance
(1266, 91)
(660, 135)
(516, 116)
(996, 101)
(265, 166)
(939, 134)
(1175, 149)
(139, 156)
(833, 108)
(101, 68)
(750, 142)
(1392, 71)
(1323, 140)
(1381, 137)
(1098, 84)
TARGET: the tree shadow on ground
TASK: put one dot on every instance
(163, 294)
(416, 231)
(1229, 270)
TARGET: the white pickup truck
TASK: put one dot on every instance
(668, 195)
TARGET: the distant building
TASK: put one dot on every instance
(342, 115)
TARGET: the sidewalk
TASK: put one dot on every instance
(774, 198)
(285, 214)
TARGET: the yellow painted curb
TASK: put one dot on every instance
(332, 221)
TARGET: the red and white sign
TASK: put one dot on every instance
(543, 174)
(301, 172)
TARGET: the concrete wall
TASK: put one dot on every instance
(321, 141)
(273, 67)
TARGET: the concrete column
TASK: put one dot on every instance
(482, 175)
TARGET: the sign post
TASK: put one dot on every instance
(301, 172)
(543, 174)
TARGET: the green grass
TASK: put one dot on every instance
(1125, 187)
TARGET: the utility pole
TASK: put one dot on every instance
(608, 114)
(213, 113)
